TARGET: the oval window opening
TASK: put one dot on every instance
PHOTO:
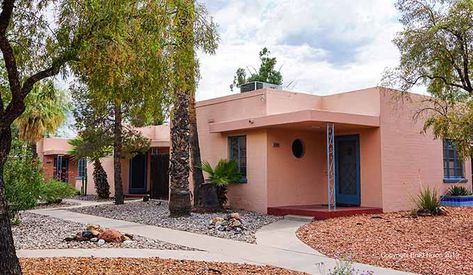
(298, 148)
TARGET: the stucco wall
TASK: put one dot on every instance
(278, 102)
(291, 180)
(409, 159)
(362, 102)
(214, 146)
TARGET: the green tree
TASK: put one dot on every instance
(128, 78)
(35, 44)
(96, 137)
(23, 177)
(436, 46)
(265, 73)
(45, 111)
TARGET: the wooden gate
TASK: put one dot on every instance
(160, 176)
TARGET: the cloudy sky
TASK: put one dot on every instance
(322, 46)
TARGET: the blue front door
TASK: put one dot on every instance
(347, 170)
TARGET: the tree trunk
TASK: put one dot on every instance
(179, 201)
(9, 263)
(197, 175)
(117, 154)
(183, 86)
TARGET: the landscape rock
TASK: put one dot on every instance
(42, 232)
(156, 212)
(101, 242)
(112, 235)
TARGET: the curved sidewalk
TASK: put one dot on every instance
(275, 247)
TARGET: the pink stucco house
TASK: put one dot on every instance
(298, 151)
(279, 138)
(144, 174)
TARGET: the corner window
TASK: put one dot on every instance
(452, 163)
(237, 152)
(298, 148)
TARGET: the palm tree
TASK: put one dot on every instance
(94, 147)
(223, 174)
(45, 111)
(197, 175)
(183, 86)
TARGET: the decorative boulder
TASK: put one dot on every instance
(111, 235)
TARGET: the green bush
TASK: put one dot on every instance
(54, 191)
(428, 202)
(223, 174)
(23, 178)
(455, 191)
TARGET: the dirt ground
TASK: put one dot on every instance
(426, 245)
(131, 266)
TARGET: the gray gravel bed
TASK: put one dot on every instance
(156, 213)
(43, 232)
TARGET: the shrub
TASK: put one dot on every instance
(223, 174)
(458, 191)
(344, 266)
(54, 191)
(100, 179)
(428, 202)
(23, 178)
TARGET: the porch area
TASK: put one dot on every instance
(319, 164)
(322, 212)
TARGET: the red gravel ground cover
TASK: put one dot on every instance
(116, 266)
(426, 245)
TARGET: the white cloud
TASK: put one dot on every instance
(323, 46)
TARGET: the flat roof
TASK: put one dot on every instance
(317, 118)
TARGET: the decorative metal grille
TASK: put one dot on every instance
(331, 166)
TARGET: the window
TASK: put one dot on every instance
(237, 152)
(61, 168)
(452, 163)
(81, 168)
(298, 148)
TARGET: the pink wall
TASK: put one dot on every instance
(291, 180)
(362, 102)
(252, 195)
(278, 102)
(409, 159)
(214, 146)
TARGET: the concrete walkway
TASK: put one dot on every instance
(282, 235)
(277, 246)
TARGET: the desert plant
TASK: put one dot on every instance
(23, 177)
(223, 174)
(54, 191)
(343, 266)
(100, 179)
(455, 191)
(94, 145)
(428, 202)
